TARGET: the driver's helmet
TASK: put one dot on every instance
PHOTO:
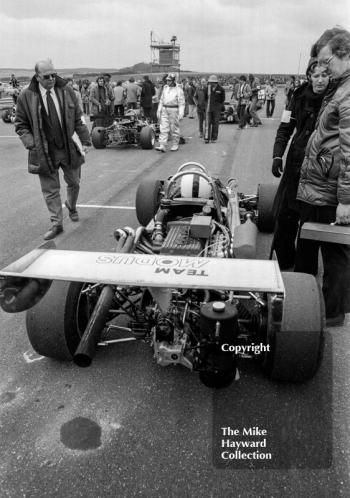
(193, 185)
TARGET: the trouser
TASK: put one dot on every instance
(191, 109)
(86, 107)
(154, 118)
(241, 114)
(213, 124)
(50, 187)
(169, 124)
(201, 118)
(147, 112)
(336, 260)
(119, 110)
(270, 107)
(285, 235)
(253, 110)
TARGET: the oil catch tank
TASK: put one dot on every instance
(219, 320)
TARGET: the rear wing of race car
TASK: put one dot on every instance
(144, 270)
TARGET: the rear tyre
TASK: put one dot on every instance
(266, 195)
(56, 324)
(147, 137)
(296, 350)
(98, 137)
(147, 200)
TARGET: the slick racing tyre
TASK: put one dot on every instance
(296, 349)
(266, 195)
(98, 137)
(147, 137)
(147, 200)
(56, 324)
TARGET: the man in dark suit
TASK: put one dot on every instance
(48, 121)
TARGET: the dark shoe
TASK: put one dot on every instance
(53, 232)
(73, 213)
(213, 141)
(335, 321)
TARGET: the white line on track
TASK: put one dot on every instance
(97, 206)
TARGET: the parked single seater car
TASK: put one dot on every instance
(132, 129)
(186, 281)
(8, 114)
(229, 112)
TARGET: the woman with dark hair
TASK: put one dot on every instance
(324, 188)
(299, 119)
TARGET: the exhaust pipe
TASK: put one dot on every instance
(88, 343)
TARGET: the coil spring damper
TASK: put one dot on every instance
(219, 325)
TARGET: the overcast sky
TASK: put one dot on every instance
(265, 36)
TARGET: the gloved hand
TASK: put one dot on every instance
(277, 167)
(181, 116)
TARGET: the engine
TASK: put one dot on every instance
(200, 236)
(192, 334)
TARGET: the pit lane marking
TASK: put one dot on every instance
(97, 206)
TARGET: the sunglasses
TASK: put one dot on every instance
(48, 76)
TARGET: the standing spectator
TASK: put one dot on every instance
(155, 101)
(85, 96)
(244, 94)
(289, 89)
(190, 91)
(299, 120)
(253, 106)
(101, 98)
(271, 92)
(119, 99)
(72, 84)
(184, 86)
(215, 96)
(132, 93)
(13, 81)
(235, 89)
(147, 92)
(16, 92)
(170, 111)
(200, 101)
(47, 117)
(324, 188)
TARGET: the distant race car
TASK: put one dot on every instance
(132, 129)
(8, 115)
(186, 282)
(229, 112)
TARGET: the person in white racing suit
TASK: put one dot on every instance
(170, 111)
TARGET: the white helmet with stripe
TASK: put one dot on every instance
(193, 185)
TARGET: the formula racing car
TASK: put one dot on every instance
(229, 112)
(131, 129)
(186, 281)
(8, 114)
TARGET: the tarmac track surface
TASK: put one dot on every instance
(126, 427)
